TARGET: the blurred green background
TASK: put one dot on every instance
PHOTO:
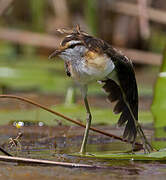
(28, 35)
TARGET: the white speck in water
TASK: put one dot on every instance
(14, 123)
(41, 124)
(20, 123)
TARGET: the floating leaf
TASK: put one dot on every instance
(158, 156)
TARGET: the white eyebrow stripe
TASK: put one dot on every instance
(69, 35)
(72, 42)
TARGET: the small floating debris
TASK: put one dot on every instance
(19, 124)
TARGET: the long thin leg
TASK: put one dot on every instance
(88, 123)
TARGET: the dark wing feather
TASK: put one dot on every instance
(127, 82)
(128, 85)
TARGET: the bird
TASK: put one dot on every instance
(88, 59)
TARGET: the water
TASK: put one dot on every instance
(60, 142)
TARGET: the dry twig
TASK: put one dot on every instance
(29, 161)
(5, 152)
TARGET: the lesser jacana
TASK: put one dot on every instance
(89, 59)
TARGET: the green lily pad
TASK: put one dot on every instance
(157, 156)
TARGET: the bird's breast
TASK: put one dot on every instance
(97, 61)
(92, 67)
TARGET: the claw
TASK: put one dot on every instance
(146, 145)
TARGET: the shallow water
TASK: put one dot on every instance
(58, 143)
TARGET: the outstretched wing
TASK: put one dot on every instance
(126, 88)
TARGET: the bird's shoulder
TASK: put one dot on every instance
(100, 46)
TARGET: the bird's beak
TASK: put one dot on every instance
(58, 51)
(55, 53)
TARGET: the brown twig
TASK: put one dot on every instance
(5, 152)
(45, 162)
(67, 118)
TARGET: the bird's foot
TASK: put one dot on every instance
(146, 145)
(85, 153)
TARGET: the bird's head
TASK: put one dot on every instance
(72, 46)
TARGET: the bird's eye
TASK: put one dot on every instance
(72, 46)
